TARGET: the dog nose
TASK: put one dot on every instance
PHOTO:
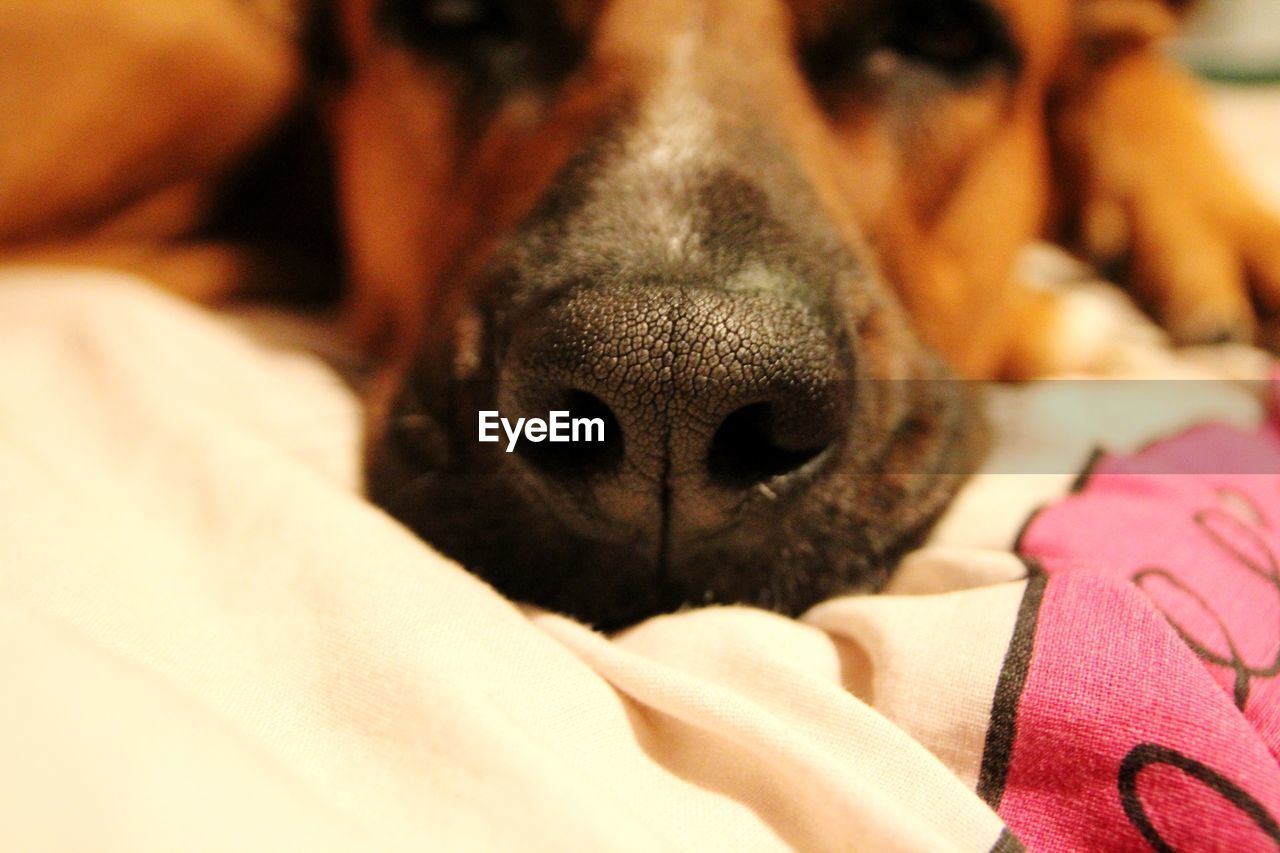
(707, 397)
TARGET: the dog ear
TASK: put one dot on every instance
(1127, 23)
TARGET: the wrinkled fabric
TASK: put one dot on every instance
(212, 641)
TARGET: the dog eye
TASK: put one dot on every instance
(460, 18)
(497, 45)
(452, 24)
(958, 37)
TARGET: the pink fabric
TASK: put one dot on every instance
(1146, 709)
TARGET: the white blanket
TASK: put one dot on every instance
(211, 641)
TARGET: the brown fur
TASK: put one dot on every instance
(121, 118)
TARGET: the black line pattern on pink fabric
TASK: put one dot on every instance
(1086, 474)
(1026, 526)
(1077, 485)
(1242, 506)
(1008, 843)
(1211, 523)
(1146, 754)
(997, 750)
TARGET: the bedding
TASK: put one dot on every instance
(209, 640)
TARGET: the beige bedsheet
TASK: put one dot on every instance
(208, 640)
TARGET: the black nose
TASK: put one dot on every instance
(707, 398)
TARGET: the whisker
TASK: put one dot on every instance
(415, 421)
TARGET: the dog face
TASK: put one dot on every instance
(700, 222)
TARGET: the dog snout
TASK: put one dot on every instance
(705, 395)
(765, 440)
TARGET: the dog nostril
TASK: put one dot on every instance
(757, 443)
(587, 454)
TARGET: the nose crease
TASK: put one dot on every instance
(713, 394)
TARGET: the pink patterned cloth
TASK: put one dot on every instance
(1139, 706)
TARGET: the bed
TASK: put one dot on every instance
(209, 640)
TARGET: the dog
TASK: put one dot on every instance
(754, 239)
